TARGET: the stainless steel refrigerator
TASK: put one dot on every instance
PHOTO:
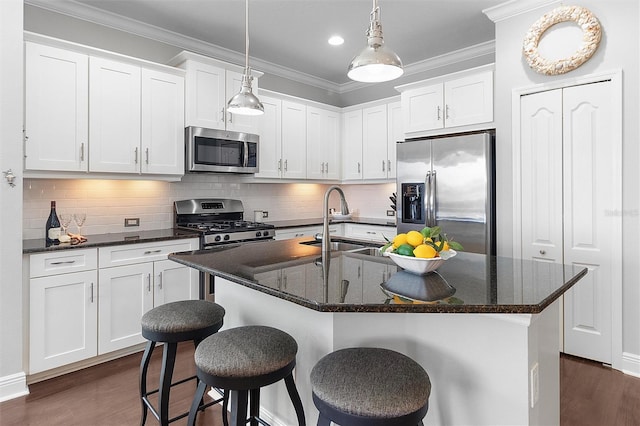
(449, 181)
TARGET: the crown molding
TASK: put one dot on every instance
(92, 14)
(513, 8)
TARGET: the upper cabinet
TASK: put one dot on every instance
(92, 111)
(209, 86)
(323, 142)
(463, 99)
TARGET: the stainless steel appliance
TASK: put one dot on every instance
(219, 221)
(212, 150)
(449, 181)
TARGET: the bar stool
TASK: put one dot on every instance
(370, 387)
(170, 324)
(242, 360)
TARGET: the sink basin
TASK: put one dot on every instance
(335, 245)
(369, 251)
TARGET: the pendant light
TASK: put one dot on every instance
(245, 102)
(375, 63)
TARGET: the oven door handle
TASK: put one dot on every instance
(245, 159)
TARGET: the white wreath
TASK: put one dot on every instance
(591, 34)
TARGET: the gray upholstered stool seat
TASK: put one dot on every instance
(242, 360)
(370, 386)
(170, 324)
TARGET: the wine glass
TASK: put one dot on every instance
(65, 221)
(79, 219)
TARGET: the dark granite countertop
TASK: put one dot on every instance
(294, 223)
(103, 240)
(352, 282)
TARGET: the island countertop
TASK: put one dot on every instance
(347, 281)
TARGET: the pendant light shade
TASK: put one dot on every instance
(375, 63)
(245, 102)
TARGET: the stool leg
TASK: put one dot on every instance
(239, 407)
(168, 362)
(193, 412)
(295, 398)
(144, 365)
(225, 408)
(254, 406)
(323, 421)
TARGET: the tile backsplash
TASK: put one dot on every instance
(108, 202)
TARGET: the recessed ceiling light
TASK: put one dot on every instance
(336, 40)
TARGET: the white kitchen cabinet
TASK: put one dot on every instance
(307, 231)
(56, 109)
(456, 101)
(374, 142)
(209, 86)
(323, 138)
(369, 232)
(395, 133)
(352, 145)
(294, 140)
(270, 146)
(63, 308)
(290, 279)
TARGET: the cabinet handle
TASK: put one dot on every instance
(136, 155)
(359, 271)
(280, 165)
(65, 262)
(326, 167)
(91, 292)
(439, 113)
(149, 282)
(383, 165)
(372, 232)
(358, 167)
(388, 165)
(160, 280)
(446, 112)
(82, 151)
(223, 115)
(542, 252)
(153, 251)
(146, 153)
(285, 282)
(322, 167)
(285, 165)
(230, 118)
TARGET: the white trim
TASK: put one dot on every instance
(514, 8)
(13, 386)
(132, 26)
(631, 364)
(615, 75)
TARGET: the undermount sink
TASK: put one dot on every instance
(368, 251)
(335, 245)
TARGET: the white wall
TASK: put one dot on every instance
(618, 50)
(108, 202)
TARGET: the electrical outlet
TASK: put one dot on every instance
(391, 213)
(265, 214)
(535, 385)
(131, 221)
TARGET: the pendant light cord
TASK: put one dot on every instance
(246, 50)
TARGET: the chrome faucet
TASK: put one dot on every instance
(326, 236)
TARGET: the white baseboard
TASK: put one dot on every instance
(631, 364)
(13, 386)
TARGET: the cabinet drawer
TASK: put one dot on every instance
(370, 232)
(144, 252)
(62, 262)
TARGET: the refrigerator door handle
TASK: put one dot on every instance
(427, 198)
(432, 198)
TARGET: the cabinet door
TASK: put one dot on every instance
(174, 282)
(331, 126)
(294, 140)
(162, 123)
(270, 146)
(323, 127)
(114, 116)
(205, 96)
(238, 122)
(469, 100)
(126, 293)
(351, 280)
(422, 108)
(374, 142)
(63, 312)
(352, 145)
(56, 109)
(394, 134)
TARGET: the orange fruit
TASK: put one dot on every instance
(415, 238)
(425, 251)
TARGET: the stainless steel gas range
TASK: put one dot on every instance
(219, 221)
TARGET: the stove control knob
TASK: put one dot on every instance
(226, 237)
(265, 233)
(258, 234)
(217, 238)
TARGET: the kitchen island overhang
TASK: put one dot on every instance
(491, 348)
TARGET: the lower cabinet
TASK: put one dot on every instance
(369, 232)
(306, 231)
(89, 302)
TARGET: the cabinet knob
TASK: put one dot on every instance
(542, 252)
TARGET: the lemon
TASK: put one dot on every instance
(405, 250)
(444, 244)
(415, 238)
(425, 251)
(399, 240)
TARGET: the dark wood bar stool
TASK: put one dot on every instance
(170, 324)
(370, 387)
(242, 360)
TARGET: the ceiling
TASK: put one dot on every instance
(293, 34)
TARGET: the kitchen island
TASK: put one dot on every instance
(486, 329)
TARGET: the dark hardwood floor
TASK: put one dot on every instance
(107, 394)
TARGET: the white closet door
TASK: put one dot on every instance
(591, 231)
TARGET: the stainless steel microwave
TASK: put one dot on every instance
(212, 150)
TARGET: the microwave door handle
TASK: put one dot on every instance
(245, 160)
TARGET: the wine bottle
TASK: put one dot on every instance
(52, 232)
